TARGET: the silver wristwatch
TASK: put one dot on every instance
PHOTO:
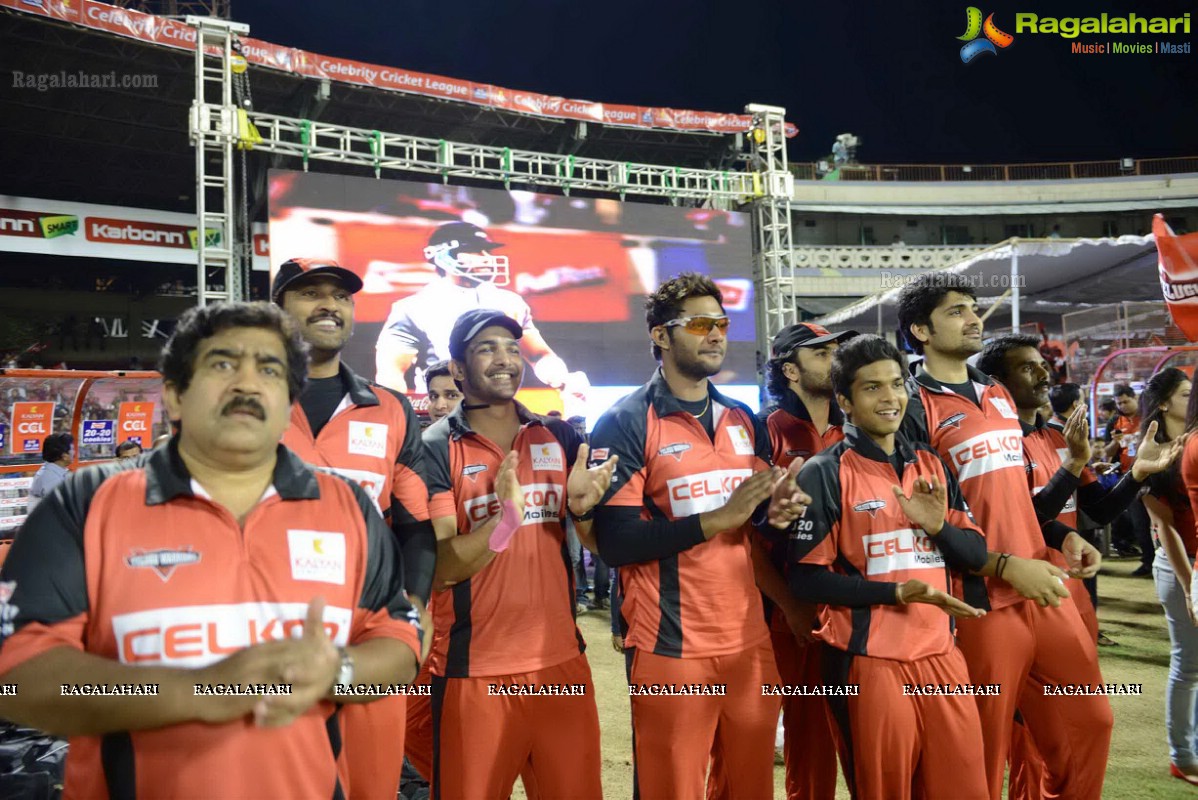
(345, 673)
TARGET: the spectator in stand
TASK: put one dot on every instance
(1106, 409)
(444, 394)
(127, 450)
(1166, 401)
(57, 452)
(1131, 533)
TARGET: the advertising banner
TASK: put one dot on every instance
(97, 432)
(176, 33)
(31, 424)
(135, 421)
(53, 227)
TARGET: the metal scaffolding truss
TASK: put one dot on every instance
(773, 258)
(308, 140)
(214, 129)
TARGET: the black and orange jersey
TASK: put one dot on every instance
(517, 613)
(982, 443)
(1183, 513)
(856, 528)
(136, 564)
(1045, 450)
(373, 439)
(698, 600)
(792, 433)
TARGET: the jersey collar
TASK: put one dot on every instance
(858, 440)
(924, 378)
(167, 477)
(459, 425)
(792, 404)
(359, 388)
(664, 402)
(1039, 425)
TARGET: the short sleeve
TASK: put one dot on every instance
(813, 537)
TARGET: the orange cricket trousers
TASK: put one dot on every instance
(372, 742)
(677, 735)
(1053, 647)
(483, 741)
(898, 746)
(418, 743)
(809, 744)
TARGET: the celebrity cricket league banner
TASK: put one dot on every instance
(574, 271)
(176, 33)
(53, 227)
(1179, 275)
(31, 423)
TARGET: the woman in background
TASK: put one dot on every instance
(1167, 412)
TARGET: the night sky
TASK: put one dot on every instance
(890, 73)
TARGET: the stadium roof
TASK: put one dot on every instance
(1057, 276)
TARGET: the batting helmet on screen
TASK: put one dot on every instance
(464, 250)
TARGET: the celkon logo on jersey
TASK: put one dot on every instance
(196, 636)
(547, 456)
(987, 452)
(371, 482)
(906, 548)
(368, 439)
(317, 556)
(542, 503)
(707, 491)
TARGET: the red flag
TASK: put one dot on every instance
(1179, 275)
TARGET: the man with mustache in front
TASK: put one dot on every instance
(220, 586)
(370, 435)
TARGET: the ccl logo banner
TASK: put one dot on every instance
(135, 421)
(706, 491)
(31, 424)
(974, 27)
(196, 636)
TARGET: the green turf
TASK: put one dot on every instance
(1128, 612)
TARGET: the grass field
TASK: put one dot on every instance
(1129, 613)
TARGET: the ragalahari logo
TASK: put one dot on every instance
(974, 27)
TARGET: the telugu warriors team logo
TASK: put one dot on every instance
(1178, 266)
(981, 37)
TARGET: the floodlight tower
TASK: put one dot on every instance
(773, 261)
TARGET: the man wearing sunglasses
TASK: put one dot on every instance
(694, 471)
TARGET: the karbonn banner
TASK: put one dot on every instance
(32, 225)
(31, 424)
(1179, 275)
(174, 33)
(135, 421)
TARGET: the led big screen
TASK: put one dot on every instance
(574, 271)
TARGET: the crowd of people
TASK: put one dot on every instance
(329, 600)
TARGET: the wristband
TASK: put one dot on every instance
(1001, 566)
(506, 529)
(585, 517)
